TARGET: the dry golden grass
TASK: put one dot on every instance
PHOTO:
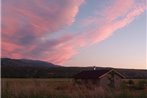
(60, 88)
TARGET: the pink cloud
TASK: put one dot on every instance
(115, 17)
(42, 16)
(25, 24)
(118, 8)
(128, 11)
(62, 54)
(10, 49)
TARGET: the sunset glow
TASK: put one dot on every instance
(104, 33)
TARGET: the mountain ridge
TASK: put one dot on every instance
(25, 68)
(28, 62)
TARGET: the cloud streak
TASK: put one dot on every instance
(24, 22)
(24, 25)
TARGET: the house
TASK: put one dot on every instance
(104, 78)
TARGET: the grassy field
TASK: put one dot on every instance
(61, 88)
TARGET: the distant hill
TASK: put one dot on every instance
(26, 62)
(134, 73)
(24, 68)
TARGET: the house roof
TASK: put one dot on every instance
(93, 74)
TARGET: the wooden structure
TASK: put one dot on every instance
(104, 78)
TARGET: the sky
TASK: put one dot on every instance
(103, 33)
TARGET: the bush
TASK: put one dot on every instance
(123, 85)
(131, 82)
(124, 95)
(140, 85)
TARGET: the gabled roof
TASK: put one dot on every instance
(95, 74)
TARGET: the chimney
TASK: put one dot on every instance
(94, 68)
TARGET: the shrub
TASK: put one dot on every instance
(124, 95)
(140, 85)
(131, 82)
(123, 85)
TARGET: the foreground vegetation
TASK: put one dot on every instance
(63, 88)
